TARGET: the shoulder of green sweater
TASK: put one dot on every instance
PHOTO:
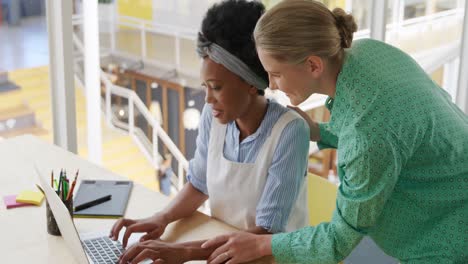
(366, 42)
(369, 49)
(375, 50)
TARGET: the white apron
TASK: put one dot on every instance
(235, 188)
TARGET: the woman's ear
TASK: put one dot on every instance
(315, 66)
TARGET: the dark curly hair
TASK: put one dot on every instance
(230, 24)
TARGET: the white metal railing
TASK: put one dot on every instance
(135, 103)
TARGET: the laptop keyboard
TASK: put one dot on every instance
(103, 250)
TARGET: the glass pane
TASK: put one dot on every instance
(431, 39)
(358, 8)
(270, 3)
(392, 11)
(444, 5)
(182, 13)
(438, 76)
(120, 112)
(425, 34)
(189, 60)
(129, 47)
(414, 8)
(174, 112)
(361, 12)
(194, 102)
(184, 7)
(334, 4)
(329, 3)
(142, 129)
(161, 48)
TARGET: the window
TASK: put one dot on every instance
(361, 12)
(444, 5)
(414, 8)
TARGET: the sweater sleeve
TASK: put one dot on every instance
(327, 138)
(371, 167)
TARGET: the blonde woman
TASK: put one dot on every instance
(402, 144)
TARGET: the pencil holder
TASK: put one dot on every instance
(52, 227)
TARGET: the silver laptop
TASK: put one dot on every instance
(95, 247)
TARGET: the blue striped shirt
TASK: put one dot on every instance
(285, 175)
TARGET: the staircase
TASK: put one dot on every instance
(120, 154)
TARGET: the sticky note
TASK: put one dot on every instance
(30, 197)
(10, 202)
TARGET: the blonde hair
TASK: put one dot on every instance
(295, 29)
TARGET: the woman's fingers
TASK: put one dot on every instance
(132, 229)
(219, 255)
(232, 261)
(129, 254)
(221, 258)
(214, 242)
(118, 226)
(146, 254)
(151, 235)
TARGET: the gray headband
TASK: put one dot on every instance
(219, 55)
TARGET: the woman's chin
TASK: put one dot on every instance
(222, 120)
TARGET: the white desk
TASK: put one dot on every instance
(23, 234)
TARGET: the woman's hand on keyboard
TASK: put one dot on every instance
(156, 250)
(154, 226)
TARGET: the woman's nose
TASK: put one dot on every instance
(273, 86)
(208, 96)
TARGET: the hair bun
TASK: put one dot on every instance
(346, 26)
